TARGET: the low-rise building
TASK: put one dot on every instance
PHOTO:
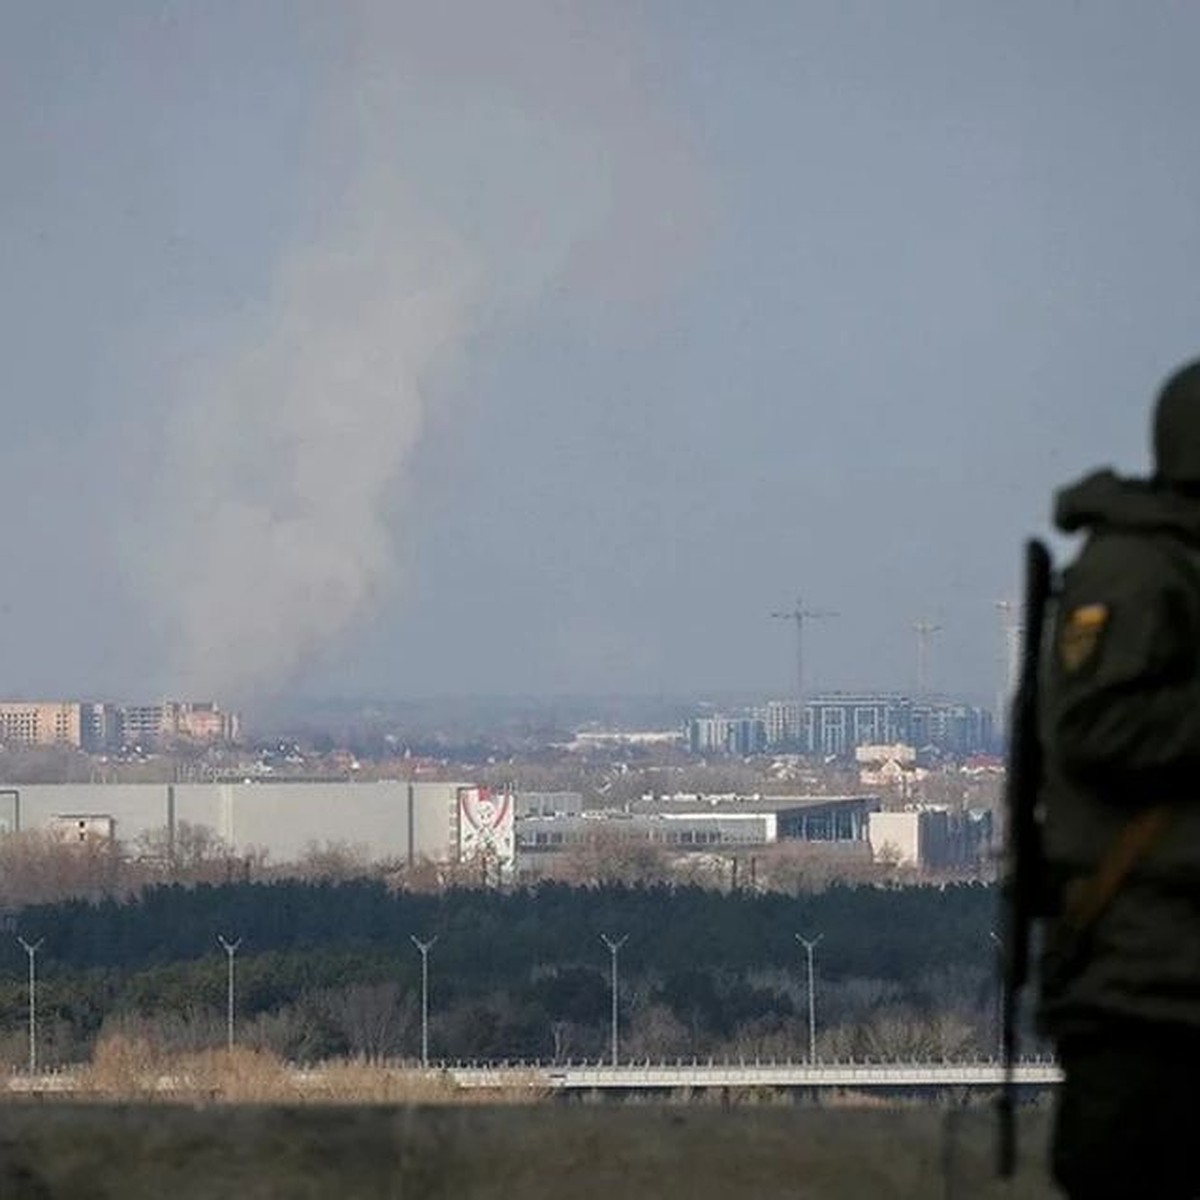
(930, 837)
(701, 822)
(548, 804)
(889, 767)
(393, 820)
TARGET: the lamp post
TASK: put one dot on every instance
(614, 947)
(424, 948)
(230, 949)
(31, 948)
(810, 944)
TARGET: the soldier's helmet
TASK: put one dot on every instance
(1177, 430)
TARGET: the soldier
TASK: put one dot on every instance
(1120, 729)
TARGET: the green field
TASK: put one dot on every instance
(540, 1152)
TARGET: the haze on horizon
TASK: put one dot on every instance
(547, 348)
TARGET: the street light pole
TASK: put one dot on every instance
(230, 950)
(810, 944)
(424, 948)
(614, 946)
(31, 948)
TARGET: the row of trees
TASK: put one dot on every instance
(328, 969)
(38, 867)
(900, 933)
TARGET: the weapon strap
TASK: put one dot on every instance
(1087, 898)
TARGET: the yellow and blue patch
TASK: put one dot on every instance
(1080, 634)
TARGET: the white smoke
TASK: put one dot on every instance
(475, 156)
(279, 468)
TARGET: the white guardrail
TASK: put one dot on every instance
(669, 1077)
(647, 1076)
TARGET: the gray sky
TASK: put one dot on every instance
(408, 349)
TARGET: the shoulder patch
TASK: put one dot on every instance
(1080, 635)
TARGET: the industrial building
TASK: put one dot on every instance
(930, 837)
(548, 804)
(394, 820)
(694, 822)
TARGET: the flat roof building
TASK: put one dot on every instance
(393, 819)
(691, 821)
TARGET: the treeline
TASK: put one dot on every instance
(327, 969)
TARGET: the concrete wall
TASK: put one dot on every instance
(895, 836)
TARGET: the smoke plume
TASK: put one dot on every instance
(469, 157)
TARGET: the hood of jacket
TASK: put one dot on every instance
(1105, 501)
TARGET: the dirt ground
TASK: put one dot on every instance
(51, 1151)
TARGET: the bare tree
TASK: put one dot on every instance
(377, 1019)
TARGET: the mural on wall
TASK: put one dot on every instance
(485, 826)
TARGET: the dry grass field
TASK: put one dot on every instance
(542, 1151)
(140, 1126)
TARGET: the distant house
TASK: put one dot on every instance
(893, 767)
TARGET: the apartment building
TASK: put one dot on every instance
(40, 723)
(833, 725)
(97, 727)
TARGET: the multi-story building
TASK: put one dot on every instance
(747, 735)
(162, 724)
(834, 725)
(959, 729)
(40, 723)
(727, 735)
(708, 735)
(97, 727)
(783, 722)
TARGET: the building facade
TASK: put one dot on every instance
(393, 820)
(694, 822)
(834, 725)
(41, 723)
(98, 727)
(931, 837)
(741, 736)
(165, 723)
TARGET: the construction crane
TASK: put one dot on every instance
(798, 616)
(924, 631)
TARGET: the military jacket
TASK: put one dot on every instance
(1120, 727)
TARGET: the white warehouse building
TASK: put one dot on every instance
(392, 819)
